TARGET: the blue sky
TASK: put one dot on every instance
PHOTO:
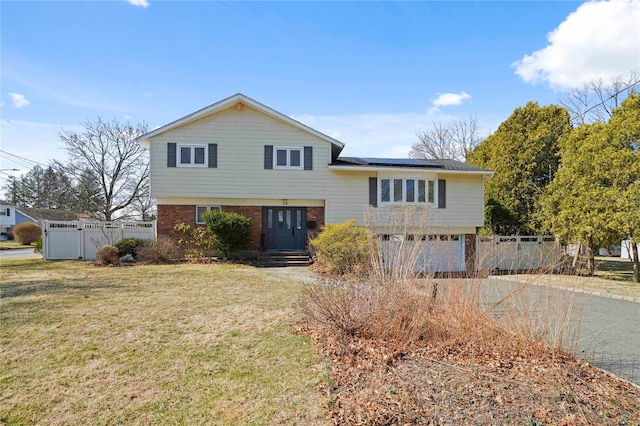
(370, 74)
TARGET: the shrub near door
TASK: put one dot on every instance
(231, 231)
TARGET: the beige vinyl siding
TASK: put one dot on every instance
(241, 136)
(240, 177)
(465, 202)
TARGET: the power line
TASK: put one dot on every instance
(22, 161)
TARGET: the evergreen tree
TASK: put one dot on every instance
(523, 153)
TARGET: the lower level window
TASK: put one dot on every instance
(200, 210)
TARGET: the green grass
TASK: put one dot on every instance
(174, 344)
(614, 268)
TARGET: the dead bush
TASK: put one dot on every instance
(26, 233)
(108, 255)
(162, 250)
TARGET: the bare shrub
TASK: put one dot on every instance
(108, 255)
(162, 250)
(402, 303)
(26, 233)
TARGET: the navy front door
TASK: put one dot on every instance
(285, 228)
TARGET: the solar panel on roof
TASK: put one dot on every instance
(399, 162)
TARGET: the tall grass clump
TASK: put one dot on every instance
(401, 301)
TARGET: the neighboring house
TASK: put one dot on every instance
(238, 155)
(7, 218)
(11, 215)
(38, 215)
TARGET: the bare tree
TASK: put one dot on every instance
(447, 141)
(110, 151)
(595, 101)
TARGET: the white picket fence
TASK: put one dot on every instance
(81, 240)
(511, 253)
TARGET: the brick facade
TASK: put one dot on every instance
(315, 214)
(470, 253)
(170, 215)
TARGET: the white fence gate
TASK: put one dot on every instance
(509, 253)
(81, 240)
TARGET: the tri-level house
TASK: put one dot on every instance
(239, 155)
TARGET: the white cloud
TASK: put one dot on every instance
(141, 3)
(19, 101)
(148, 94)
(446, 99)
(600, 40)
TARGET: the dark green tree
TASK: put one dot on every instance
(87, 193)
(523, 153)
(594, 198)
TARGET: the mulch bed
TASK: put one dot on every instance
(371, 382)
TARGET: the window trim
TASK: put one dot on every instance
(429, 199)
(288, 149)
(193, 147)
(208, 208)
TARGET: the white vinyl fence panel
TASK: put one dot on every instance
(514, 253)
(625, 249)
(81, 240)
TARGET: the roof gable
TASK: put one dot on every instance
(239, 101)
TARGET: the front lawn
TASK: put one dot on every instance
(173, 344)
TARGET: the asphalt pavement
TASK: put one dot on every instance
(19, 253)
(606, 328)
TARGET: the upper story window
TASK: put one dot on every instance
(192, 155)
(409, 191)
(287, 158)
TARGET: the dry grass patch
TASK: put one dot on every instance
(176, 344)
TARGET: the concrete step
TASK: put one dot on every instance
(283, 259)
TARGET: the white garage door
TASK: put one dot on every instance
(430, 253)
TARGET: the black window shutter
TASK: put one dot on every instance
(171, 155)
(442, 193)
(373, 191)
(213, 155)
(8, 212)
(308, 158)
(268, 156)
